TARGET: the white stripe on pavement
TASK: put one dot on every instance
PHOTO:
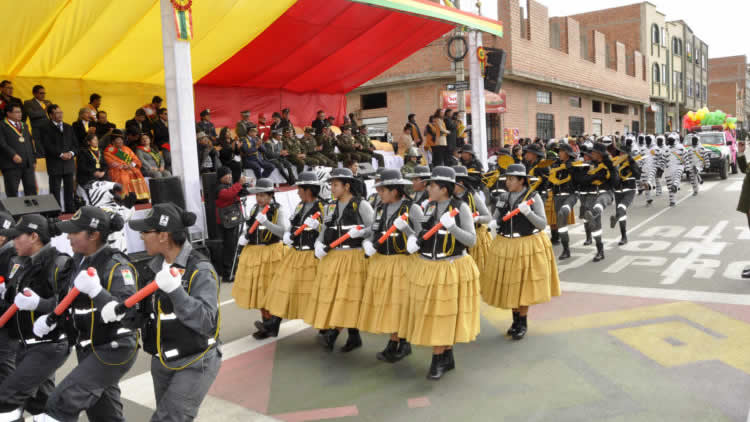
(656, 293)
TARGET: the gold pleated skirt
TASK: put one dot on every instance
(386, 293)
(480, 250)
(258, 265)
(289, 291)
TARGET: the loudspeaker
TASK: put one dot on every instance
(167, 189)
(493, 75)
(209, 201)
(38, 204)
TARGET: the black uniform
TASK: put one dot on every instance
(105, 352)
(563, 189)
(7, 351)
(599, 183)
(629, 172)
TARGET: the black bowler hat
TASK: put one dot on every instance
(86, 218)
(601, 149)
(262, 186)
(534, 148)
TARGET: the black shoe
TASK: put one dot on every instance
(555, 239)
(623, 240)
(672, 204)
(448, 363)
(612, 221)
(599, 252)
(271, 326)
(353, 340)
(565, 254)
(588, 240)
(388, 354)
(328, 339)
(746, 273)
(404, 350)
(436, 368)
(522, 327)
(649, 201)
(514, 327)
(260, 335)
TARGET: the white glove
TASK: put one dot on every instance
(493, 226)
(524, 208)
(356, 234)
(261, 218)
(108, 312)
(2, 290)
(476, 217)
(448, 221)
(243, 240)
(288, 239)
(312, 223)
(166, 281)
(400, 224)
(369, 248)
(411, 244)
(41, 328)
(91, 285)
(27, 303)
(320, 250)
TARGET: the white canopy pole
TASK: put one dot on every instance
(478, 110)
(178, 79)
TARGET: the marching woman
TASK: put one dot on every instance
(418, 184)
(7, 252)
(289, 291)
(42, 272)
(261, 255)
(387, 287)
(183, 318)
(465, 191)
(336, 295)
(521, 269)
(106, 347)
(444, 295)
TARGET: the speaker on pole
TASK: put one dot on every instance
(37, 204)
(493, 75)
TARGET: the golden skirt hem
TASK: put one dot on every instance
(289, 291)
(257, 266)
(385, 294)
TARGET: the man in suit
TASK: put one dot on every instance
(140, 122)
(161, 136)
(59, 143)
(6, 96)
(319, 123)
(35, 110)
(82, 127)
(17, 158)
(103, 126)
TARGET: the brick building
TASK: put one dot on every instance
(558, 80)
(729, 87)
(689, 71)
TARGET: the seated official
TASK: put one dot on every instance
(125, 168)
(152, 160)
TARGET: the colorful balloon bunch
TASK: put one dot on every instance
(703, 117)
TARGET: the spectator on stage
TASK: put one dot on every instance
(320, 122)
(354, 124)
(440, 149)
(230, 155)
(414, 132)
(264, 130)
(103, 126)
(331, 121)
(274, 153)
(83, 127)
(244, 125)
(152, 160)
(17, 152)
(95, 101)
(276, 121)
(6, 96)
(152, 108)
(405, 141)
(60, 146)
(286, 123)
(91, 164)
(205, 125)
(132, 137)
(140, 122)
(161, 136)
(208, 156)
(125, 168)
(251, 157)
(35, 110)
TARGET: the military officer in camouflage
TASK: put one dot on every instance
(312, 150)
(296, 152)
(366, 150)
(327, 144)
(412, 160)
(346, 143)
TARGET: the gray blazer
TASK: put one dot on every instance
(147, 160)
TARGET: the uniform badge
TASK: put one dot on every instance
(127, 277)
(299, 208)
(164, 220)
(380, 214)
(14, 270)
(6, 224)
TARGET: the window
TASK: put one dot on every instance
(697, 90)
(690, 87)
(676, 46)
(665, 80)
(654, 34)
(575, 126)
(607, 108)
(545, 126)
(655, 74)
(596, 106)
(543, 97)
(373, 101)
(635, 111)
(663, 37)
(619, 108)
(596, 126)
(689, 51)
(705, 93)
(697, 54)
(575, 102)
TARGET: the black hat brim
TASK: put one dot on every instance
(70, 226)
(13, 233)
(141, 225)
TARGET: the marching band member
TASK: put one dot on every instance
(675, 165)
(630, 172)
(564, 191)
(586, 193)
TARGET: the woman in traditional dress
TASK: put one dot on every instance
(520, 269)
(386, 294)
(466, 191)
(339, 282)
(124, 168)
(152, 160)
(444, 293)
(91, 165)
(261, 255)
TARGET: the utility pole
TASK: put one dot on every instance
(478, 116)
(460, 72)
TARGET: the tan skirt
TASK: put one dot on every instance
(443, 302)
(520, 272)
(336, 294)
(257, 267)
(481, 248)
(386, 293)
(289, 292)
(551, 212)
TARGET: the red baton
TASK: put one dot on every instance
(384, 237)
(515, 212)
(11, 311)
(438, 226)
(304, 226)
(145, 292)
(342, 239)
(257, 223)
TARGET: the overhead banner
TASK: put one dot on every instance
(494, 103)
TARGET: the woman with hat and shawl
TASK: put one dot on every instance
(289, 292)
(520, 270)
(466, 191)
(124, 168)
(444, 295)
(262, 252)
(387, 286)
(336, 295)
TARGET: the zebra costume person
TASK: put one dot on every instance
(629, 172)
(696, 157)
(675, 165)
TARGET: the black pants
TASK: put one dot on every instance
(54, 188)
(285, 168)
(261, 168)
(439, 155)
(229, 239)
(12, 177)
(93, 385)
(7, 355)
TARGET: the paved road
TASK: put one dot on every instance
(656, 332)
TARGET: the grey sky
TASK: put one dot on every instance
(722, 24)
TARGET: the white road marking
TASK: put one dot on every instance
(734, 186)
(656, 293)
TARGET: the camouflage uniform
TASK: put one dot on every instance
(328, 143)
(308, 145)
(345, 143)
(293, 147)
(366, 155)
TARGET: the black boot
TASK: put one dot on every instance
(262, 333)
(353, 340)
(623, 233)
(448, 363)
(328, 339)
(588, 237)
(514, 327)
(388, 354)
(518, 335)
(555, 239)
(565, 240)
(271, 325)
(404, 350)
(436, 367)
(599, 249)
(612, 221)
